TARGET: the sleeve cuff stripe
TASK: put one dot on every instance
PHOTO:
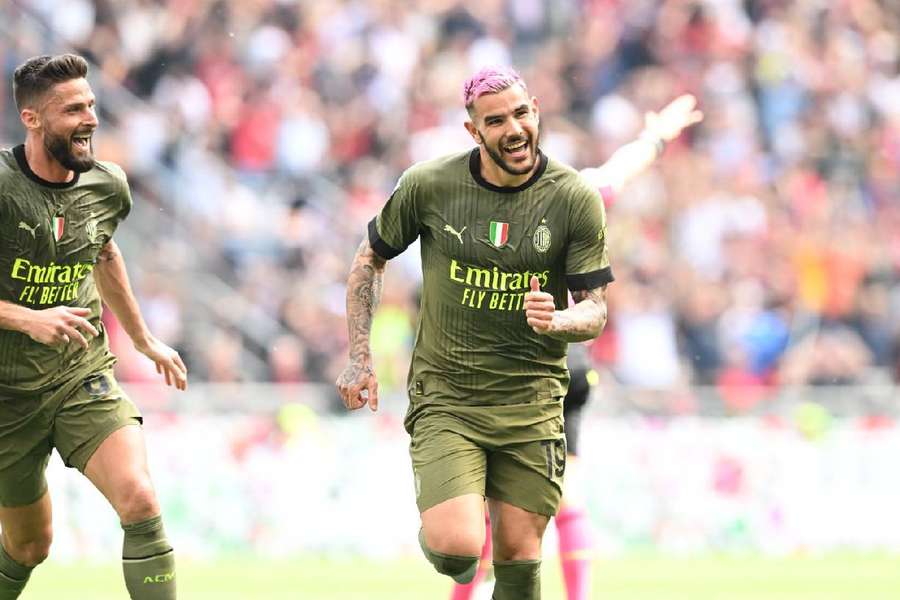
(381, 248)
(589, 281)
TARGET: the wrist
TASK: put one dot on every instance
(142, 342)
(658, 143)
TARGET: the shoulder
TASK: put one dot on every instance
(437, 170)
(576, 187)
(110, 171)
(8, 167)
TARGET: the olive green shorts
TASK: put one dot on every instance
(468, 450)
(74, 418)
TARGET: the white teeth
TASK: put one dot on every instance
(515, 147)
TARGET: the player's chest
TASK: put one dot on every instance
(525, 234)
(60, 226)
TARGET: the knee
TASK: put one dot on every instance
(137, 501)
(520, 548)
(30, 551)
(455, 542)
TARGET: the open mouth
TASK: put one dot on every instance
(82, 141)
(517, 149)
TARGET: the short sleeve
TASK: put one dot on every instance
(587, 259)
(397, 225)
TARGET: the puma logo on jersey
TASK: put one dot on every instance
(458, 234)
(29, 229)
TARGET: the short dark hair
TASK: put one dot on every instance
(33, 78)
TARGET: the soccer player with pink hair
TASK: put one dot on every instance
(506, 234)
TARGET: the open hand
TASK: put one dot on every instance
(675, 117)
(168, 362)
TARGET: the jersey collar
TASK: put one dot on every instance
(475, 170)
(19, 153)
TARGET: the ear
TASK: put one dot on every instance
(473, 131)
(31, 119)
(535, 109)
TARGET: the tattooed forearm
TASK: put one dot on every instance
(363, 295)
(583, 321)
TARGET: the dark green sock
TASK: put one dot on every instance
(517, 580)
(461, 568)
(148, 561)
(13, 576)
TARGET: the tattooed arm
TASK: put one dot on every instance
(581, 322)
(363, 295)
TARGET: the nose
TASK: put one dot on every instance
(91, 117)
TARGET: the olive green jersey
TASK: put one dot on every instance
(50, 237)
(480, 245)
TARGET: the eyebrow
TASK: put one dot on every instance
(79, 103)
(500, 115)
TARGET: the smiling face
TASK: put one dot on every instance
(68, 120)
(63, 120)
(505, 125)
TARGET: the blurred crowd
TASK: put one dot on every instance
(762, 251)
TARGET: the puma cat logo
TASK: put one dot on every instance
(458, 234)
(26, 227)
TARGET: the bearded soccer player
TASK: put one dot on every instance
(59, 208)
(572, 522)
(506, 233)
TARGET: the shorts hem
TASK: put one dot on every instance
(74, 459)
(29, 502)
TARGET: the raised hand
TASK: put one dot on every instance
(675, 117)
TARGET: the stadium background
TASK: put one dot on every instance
(744, 428)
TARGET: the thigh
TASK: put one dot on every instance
(517, 533)
(455, 526)
(446, 464)
(96, 409)
(528, 475)
(25, 446)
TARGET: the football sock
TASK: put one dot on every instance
(13, 576)
(517, 580)
(575, 546)
(464, 591)
(460, 568)
(148, 561)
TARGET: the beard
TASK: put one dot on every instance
(61, 148)
(496, 154)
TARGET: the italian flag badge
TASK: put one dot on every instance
(58, 225)
(499, 233)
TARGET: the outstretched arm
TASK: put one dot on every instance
(580, 322)
(115, 290)
(363, 295)
(633, 158)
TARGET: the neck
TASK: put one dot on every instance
(43, 164)
(495, 175)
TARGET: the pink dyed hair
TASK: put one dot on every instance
(489, 80)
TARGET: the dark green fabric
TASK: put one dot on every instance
(517, 580)
(148, 561)
(13, 576)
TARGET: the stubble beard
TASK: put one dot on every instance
(497, 156)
